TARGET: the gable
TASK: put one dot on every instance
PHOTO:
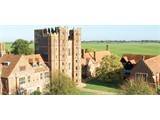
(141, 67)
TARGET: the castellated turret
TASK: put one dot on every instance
(61, 50)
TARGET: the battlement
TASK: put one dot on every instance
(58, 30)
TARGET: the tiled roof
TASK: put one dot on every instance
(13, 59)
(99, 56)
(154, 64)
(135, 58)
(34, 58)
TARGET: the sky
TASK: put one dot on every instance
(89, 32)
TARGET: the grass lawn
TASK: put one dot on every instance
(85, 93)
(122, 48)
(102, 86)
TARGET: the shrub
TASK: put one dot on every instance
(62, 85)
(137, 87)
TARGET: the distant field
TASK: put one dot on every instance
(119, 48)
(122, 48)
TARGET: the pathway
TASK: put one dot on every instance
(97, 92)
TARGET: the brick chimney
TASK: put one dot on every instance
(143, 57)
(94, 55)
(107, 47)
(82, 53)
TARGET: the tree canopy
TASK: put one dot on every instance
(62, 85)
(20, 47)
(110, 69)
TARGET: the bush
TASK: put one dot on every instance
(158, 90)
(110, 70)
(137, 87)
(62, 85)
(37, 92)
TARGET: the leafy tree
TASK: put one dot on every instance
(110, 70)
(61, 85)
(20, 47)
(137, 87)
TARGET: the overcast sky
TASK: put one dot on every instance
(95, 32)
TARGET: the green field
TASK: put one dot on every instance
(122, 48)
(119, 48)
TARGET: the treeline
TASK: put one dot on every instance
(123, 41)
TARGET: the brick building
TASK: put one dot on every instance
(61, 50)
(23, 74)
(91, 61)
(148, 70)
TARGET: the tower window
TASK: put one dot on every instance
(69, 66)
(69, 52)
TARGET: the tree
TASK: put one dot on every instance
(61, 85)
(20, 47)
(137, 87)
(110, 70)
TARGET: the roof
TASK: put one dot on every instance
(154, 64)
(34, 58)
(135, 58)
(99, 56)
(13, 59)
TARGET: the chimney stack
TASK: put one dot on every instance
(82, 53)
(94, 55)
(143, 57)
(107, 47)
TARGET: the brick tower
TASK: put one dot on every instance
(61, 50)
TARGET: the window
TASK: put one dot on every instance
(40, 63)
(69, 52)
(62, 63)
(6, 63)
(69, 66)
(46, 74)
(76, 68)
(29, 78)
(63, 70)
(76, 74)
(41, 76)
(141, 76)
(22, 80)
(22, 68)
(34, 65)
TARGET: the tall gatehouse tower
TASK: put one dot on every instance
(61, 50)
